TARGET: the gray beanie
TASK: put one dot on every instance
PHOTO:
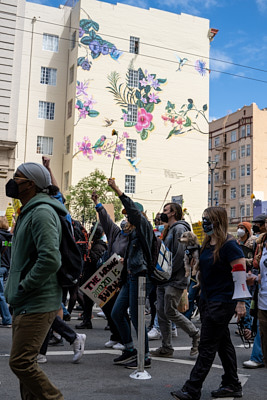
(36, 173)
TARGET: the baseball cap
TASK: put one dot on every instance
(137, 205)
(260, 218)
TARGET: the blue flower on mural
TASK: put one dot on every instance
(200, 66)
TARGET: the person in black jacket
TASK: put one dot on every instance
(5, 255)
(135, 262)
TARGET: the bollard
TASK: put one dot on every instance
(140, 373)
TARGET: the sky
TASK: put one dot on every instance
(238, 53)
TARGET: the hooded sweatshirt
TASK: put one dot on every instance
(32, 285)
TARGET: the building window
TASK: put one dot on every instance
(66, 180)
(70, 109)
(242, 151)
(232, 212)
(216, 195)
(68, 140)
(248, 130)
(242, 170)
(248, 150)
(248, 169)
(134, 45)
(233, 136)
(233, 193)
(133, 79)
(242, 190)
(216, 177)
(242, 211)
(233, 155)
(50, 42)
(46, 110)
(248, 210)
(71, 76)
(243, 132)
(248, 189)
(131, 148)
(217, 141)
(132, 113)
(217, 158)
(129, 184)
(48, 76)
(224, 194)
(233, 174)
(73, 40)
(209, 144)
(44, 145)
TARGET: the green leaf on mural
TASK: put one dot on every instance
(140, 104)
(144, 134)
(151, 127)
(162, 81)
(95, 55)
(187, 122)
(158, 89)
(138, 94)
(129, 124)
(79, 103)
(86, 40)
(170, 105)
(190, 105)
(124, 111)
(158, 101)
(149, 107)
(93, 113)
(154, 75)
(147, 89)
(86, 24)
(190, 101)
(92, 34)
(205, 107)
(80, 60)
(183, 106)
(95, 26)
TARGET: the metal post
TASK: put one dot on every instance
(140, 373)
(212, 165)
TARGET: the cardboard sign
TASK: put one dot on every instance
(103, 284)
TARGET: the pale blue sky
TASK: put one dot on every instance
(242, 40)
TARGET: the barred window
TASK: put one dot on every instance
(242, 170)
(233, 155)
(44, 145)
(131, 148)
(70, 108)
(242, 190)
(66, 180)
(243, 132)
(68, 140)
(129, 184)
(232, 212)
(48, 76)
(133, 78)
(134, 45)
(248, 149)
(248, 130)
(248, 210)
(233, 173)
(46, 110)
(242, 151)
(71, 76)
(233, 193)
(132, 113)
(248, 169)
(50, 42)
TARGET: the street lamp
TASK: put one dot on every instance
(212, 165)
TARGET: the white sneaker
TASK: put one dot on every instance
(110, 344)
(174, 332)
(252, 364)
(118, 346)
(78, 347)
(154, 334)
(101, 314)
(41, 359)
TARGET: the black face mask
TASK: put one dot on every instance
(207, 225)
(255, 229)
(12, 189)
(164, 217)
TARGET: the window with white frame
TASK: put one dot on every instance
(248, 189)
(68, 141)
(232, 212)
(70, 108)
(248, 210)
(233, 193)
(217, 141)
(233, 136)
(233, 174)
(216, 177)
(216, 194)
(248, 150)
(242, 170)
(66, 180)
(130, 183)
(217, 158)
(44, 145)
(233, 155)
(242, 211)
(248, 130)
(46, 110)
(50, 42)
(71, 75)
(133, 78)
(134, 45)
(73, 40)
(48, 76)
(242, 151)
(243, 132)
(131, 149)
(248, 169)
(132, 113)
(242, 190)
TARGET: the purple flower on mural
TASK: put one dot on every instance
(83, 112)
(150, 79)
(200, 67)
(86, 65)
(143, 82)
(89, 102)
(124, 116)
(81, 32)
(81, 88)
(94, 46)
(153, 98)
(125, 134)
(104, 49)
(144, 100)
(85, 148)
(98, 150)
(119, 148)
(155, 84)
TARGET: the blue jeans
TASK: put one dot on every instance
(256, 354)
(128, 297)
(4, 310)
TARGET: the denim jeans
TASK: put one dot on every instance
(256, 354)
(4, 310)
(128, 297)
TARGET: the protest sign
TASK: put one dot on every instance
(103, 284)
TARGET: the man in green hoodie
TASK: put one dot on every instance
(32, 288)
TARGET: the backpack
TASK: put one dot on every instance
(160, 265)
(71, 259)
(81, 238)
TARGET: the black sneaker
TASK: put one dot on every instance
(127, 355)
(55, 342)
(228, 391)
(181, 394)
(133, 364)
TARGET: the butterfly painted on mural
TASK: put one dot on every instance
(99, 142)
(181, 62)
(108, 122)
(134, 163)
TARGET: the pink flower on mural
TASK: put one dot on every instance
(143, 82)
(153, 97)
(89, 102)
(124, 117)
(125, 134)
(143, 120)
(180, 122)
(85, 148)
(81, 89)
(83, 112)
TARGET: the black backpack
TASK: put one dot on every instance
(71, 260)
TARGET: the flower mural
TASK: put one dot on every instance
(140, 99)
(182, 120)
(84, 102)
(102, 146)
(93, 44)
(200, 66)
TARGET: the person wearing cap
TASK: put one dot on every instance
(32, 288)
(136, 261)
(259, 224)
